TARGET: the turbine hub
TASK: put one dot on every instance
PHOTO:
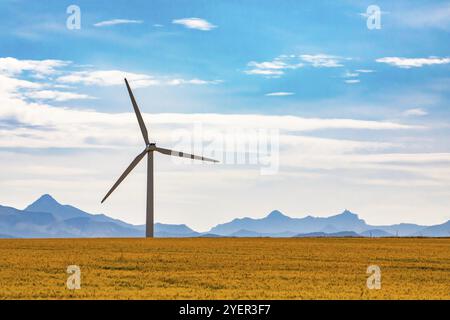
(151, 147)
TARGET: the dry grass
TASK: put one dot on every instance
(225, 268)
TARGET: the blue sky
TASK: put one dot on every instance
(314, 62)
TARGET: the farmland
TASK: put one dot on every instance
(225, 268)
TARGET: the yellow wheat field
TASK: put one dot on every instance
(225, 268)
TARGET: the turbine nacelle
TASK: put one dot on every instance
(150, 147)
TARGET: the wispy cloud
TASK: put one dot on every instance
(117, 130)
(353, 77)
(195, 23)
(39, 68)
(415, 112)
(68, 124)
(407, 63)
(115, 77)
(278, 66)
(279, 94)
(349, 74)
(9, 85)
(275, 67)
(65, 121)
(11, 69)
(365, 71)
(106, 129)
(87, 138)
(114, 22)
(323, 60)
(265, 72)
(53, 82)
(107, 78)
(56, 95)
(178, 81)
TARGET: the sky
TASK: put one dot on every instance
(312, 107)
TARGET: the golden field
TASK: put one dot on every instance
(225, 268)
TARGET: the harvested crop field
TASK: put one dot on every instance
(225, 268)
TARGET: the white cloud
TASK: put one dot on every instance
(13, 66)
(176, 82)
(408, 63)
(322, 60)
(265, 72)
(365, 71)
(349, 74)
(114, 22)
(52, 76)
(103, 143)
(116, 77)
(279, 94)
(275, 67)
(61, 86)
(13, 87)
(415, 112)
(195, 23)
(279, 65)
(107, 78)
(91, 129)
(9, 85)
(56, 95)
(48, 69)
(353, 77)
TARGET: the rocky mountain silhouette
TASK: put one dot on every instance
(47, 218)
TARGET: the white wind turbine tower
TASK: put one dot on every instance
(149, 150)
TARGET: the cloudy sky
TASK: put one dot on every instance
(352, 118)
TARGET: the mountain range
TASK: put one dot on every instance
(47, 218)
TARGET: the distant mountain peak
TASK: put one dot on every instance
(47, 218)
(46, 198)
(46, 203)
(348, 217)
(347, 214)
(275, 214)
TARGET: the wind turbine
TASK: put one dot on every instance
(149, 150)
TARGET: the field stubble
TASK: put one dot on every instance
(225, 268)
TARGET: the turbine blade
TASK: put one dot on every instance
(183, 155)
(138, 114)
(126, 172)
